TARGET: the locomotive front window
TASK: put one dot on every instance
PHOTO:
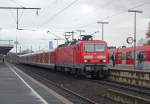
(99, 48)
(89, 47)
(94, 47)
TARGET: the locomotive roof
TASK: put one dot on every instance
(88, 41)
(34, 53)
(80, 41)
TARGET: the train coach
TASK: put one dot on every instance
(124, 57)
(86, 57)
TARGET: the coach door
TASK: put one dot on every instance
(129, 58)
(119, 58)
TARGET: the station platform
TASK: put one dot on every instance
(128, 67)
(17, 87)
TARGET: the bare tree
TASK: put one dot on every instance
(148, 35)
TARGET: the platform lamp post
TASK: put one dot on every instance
(20, 8)
(102, 23)
(20, 49)
(16, 43)
(135, 12)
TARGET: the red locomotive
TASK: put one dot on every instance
(86, 57)
(124, 57)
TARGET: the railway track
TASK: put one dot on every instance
(126, 98)
(42, 76)
(74, 95)
(60, 86)
(127, 87)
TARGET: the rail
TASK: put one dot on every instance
(65, 89)
(124, 98)
(122, 86)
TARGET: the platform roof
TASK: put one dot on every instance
(4, 49)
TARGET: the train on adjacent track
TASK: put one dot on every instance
(85, 57)
(124, 57)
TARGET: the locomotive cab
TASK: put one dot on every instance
(94, 55)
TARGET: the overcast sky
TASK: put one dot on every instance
(59, 16)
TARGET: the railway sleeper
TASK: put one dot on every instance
(124, 98)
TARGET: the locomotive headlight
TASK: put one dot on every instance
(104, 60)
(85, 60)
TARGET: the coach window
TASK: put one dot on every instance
(30, 58)
(129, 56)
(41, 57)
(47, 57)
(78, 47)
(44, 57)
(34, 57)
(148, 56)
(145, 54)
(37, 57)
(123, 56)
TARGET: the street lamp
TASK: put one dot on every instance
(102, 27)
(135, 12)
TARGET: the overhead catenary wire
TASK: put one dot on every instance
(55, 15)
(92, 23)
(16, 3)
(113, 15)
(59, 12)
(13, 16)
(55, 35)
(11, 11)
(125, 11)
(21, 15)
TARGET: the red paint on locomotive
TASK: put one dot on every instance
(77, 53)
